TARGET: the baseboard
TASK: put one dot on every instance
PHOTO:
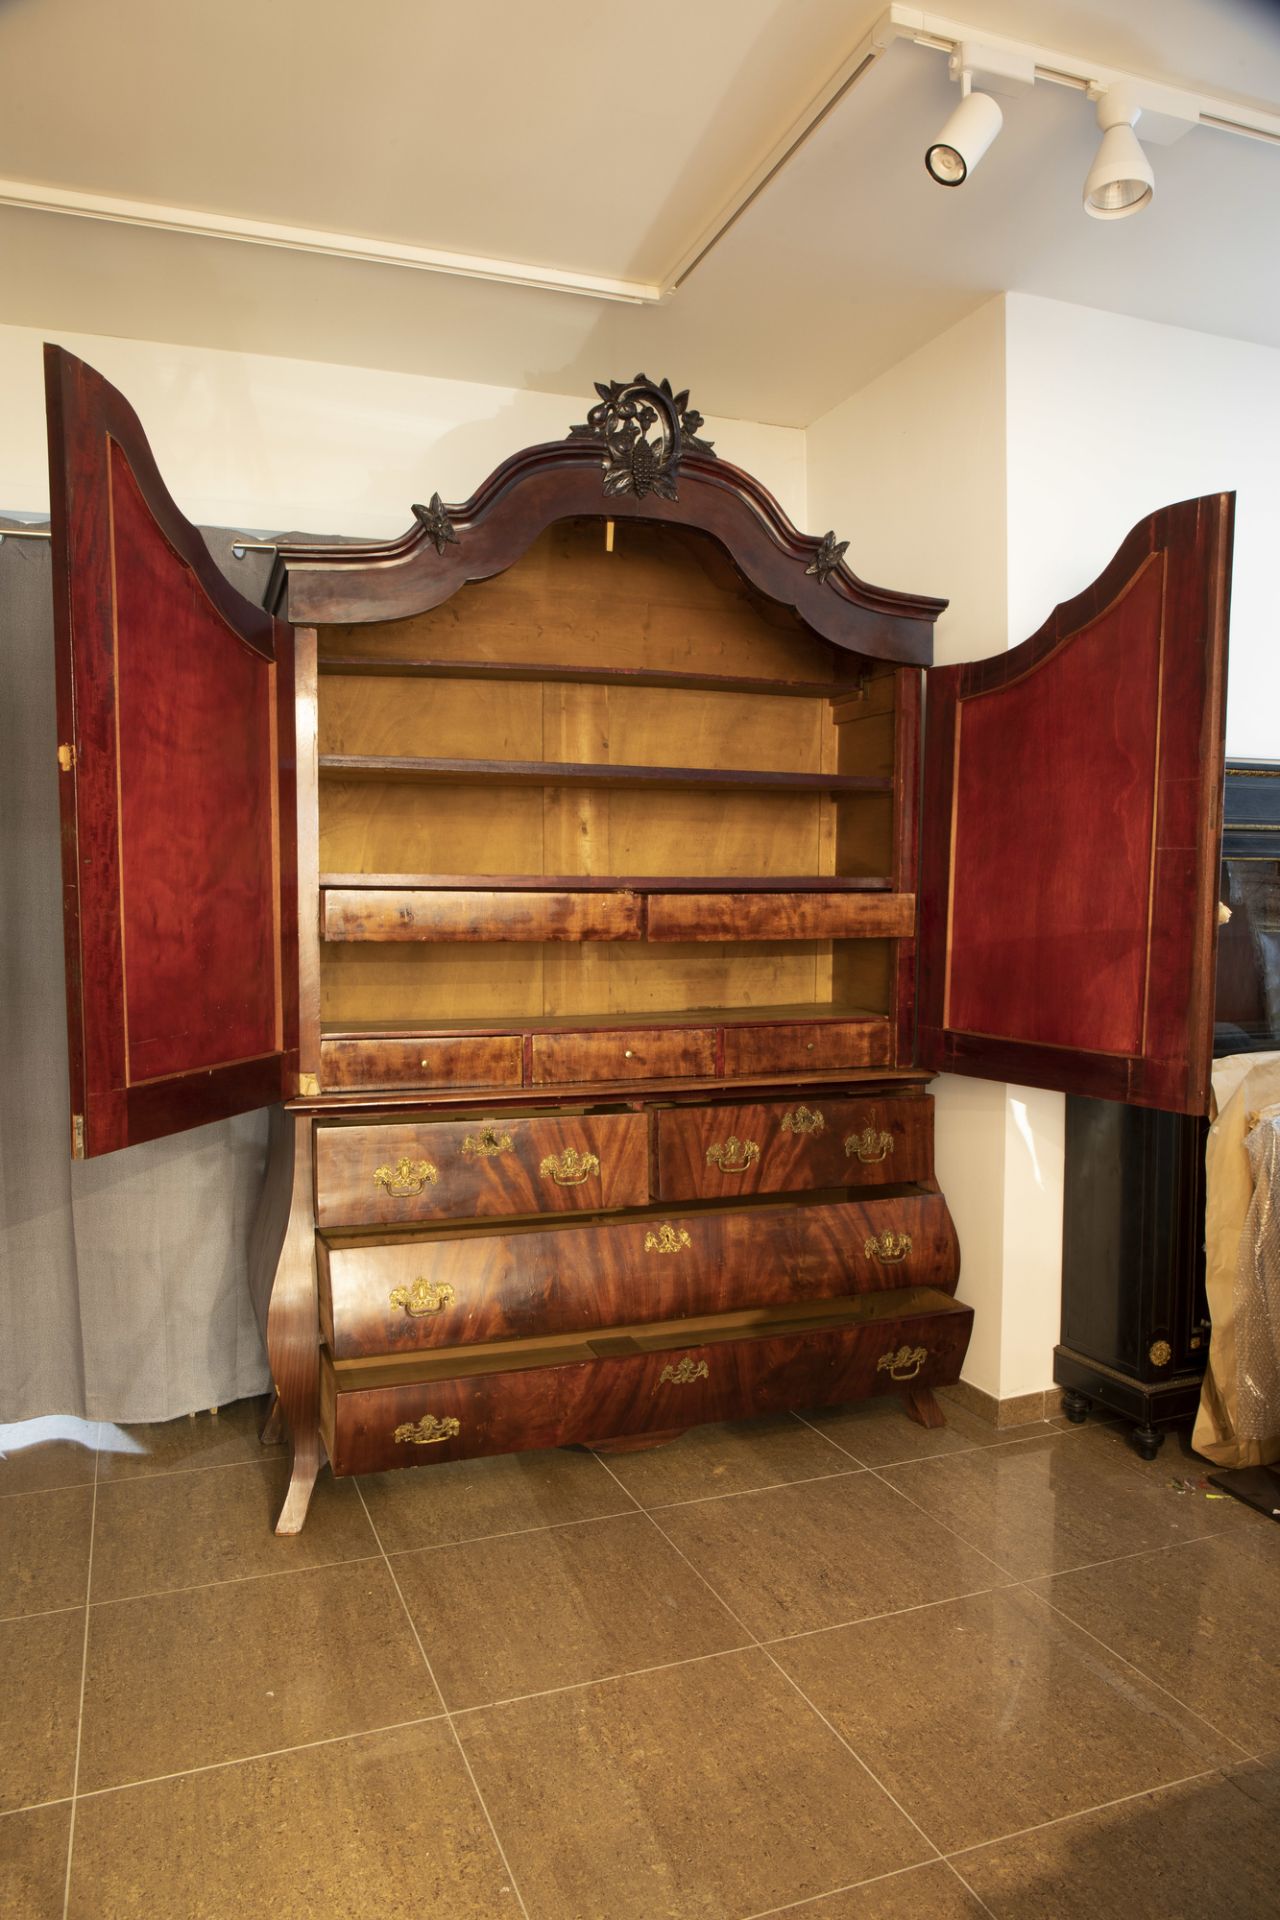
(1023, 1410)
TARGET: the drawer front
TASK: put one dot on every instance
(605, 1396)
(476, 1061)
(783, 1147)
(435, 1290)
(366, 1176)
(808, 1047)
(648, 1053)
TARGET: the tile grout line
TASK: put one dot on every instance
(1080, 1813)
(847, 1886)
(779, 1668)
(237, 1580)
(448, 1717)
(1061, 1614)
(84, 1674)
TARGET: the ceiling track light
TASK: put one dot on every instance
(1121, 180)
(971, 128)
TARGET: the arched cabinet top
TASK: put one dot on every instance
(636, 457)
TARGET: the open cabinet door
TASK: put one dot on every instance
(1073, 810)
(176, 756)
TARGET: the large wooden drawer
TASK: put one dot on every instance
(547, 1393)
(448, 1289)
(709, 1153)
(456, 1169)
(642, 1053)
(810, 1046)
(472, 1060)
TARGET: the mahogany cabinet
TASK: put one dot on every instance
(568, 876)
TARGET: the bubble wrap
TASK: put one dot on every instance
(1257, 1289)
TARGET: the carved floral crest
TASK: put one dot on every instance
(637, 459)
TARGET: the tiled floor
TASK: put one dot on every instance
(837, 1668)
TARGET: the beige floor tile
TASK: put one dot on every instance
(199, 1440)
(189, 1529)
(470, 1499)
(44, 1550)
(40, 1663)
(727, 1459)
(988, 1714)
(386, 1826)
(1203, 1619)
(795, 1558)
(188, 1679)
(1041, 1506)
(921, 1893)
(699, 1793)
(878, 1432)
(1208, 1850)
(33, 1863)
(28, 1465)
(566, 1604)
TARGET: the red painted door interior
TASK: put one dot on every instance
(1072, 810)
(176, 756)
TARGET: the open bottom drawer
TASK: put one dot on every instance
(507, 1396)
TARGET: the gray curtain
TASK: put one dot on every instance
(123, 1289)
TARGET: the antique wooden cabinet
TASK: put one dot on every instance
(558, 867)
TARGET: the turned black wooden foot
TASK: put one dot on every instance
(1146, 1441)
(1075, 1406)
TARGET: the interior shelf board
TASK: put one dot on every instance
(592, 676)
(605, 883)
(557, 773)
(806, 1010)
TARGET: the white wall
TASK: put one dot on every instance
(248, 440)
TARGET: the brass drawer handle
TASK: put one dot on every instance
(570, 1168)
(905, 1364)
(428, 1432)
(887, 1245)
(735, 1156)
(686, 1371)
(667, 1239)
(803, 1120)
(870, 1145)
(488, 1143)
(406, 1178)
(423, 1297)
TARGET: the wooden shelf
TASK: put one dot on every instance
(555, 773)
(607, 883)
(806, 1010)
(592, 676)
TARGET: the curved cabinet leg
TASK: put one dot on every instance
(1075, 1406)
(923, 1408)
(273, 1426)
(283, 1283)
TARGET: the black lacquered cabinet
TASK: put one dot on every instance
(1135, 1324)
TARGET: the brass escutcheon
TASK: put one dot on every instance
(735, 1156)
(803, 1120)
(905, 1364)
(428, 1432)
(667, 1239)
(406, 1178)
(887, 1245)
(870, 1145)
(423, 1297)
(686, 1371)
(570, 1168)
(488, 1143)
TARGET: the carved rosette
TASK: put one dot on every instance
(637, 459)
(435, 519)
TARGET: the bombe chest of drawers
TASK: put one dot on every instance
(566, 876)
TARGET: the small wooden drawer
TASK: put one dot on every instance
(549, 1393)
(810, 1047)
(427, 913)
(762, 915)
(480, 1060)
(709, 1153)
(647, 1053)
(459, 1169)
(434, 1289)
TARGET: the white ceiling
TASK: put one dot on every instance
(601, 136)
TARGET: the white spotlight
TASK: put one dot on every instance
(965, 138)
(1121, 179)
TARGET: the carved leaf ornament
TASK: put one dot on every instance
(637, 459)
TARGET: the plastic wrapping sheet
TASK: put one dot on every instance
(1257, 1291)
